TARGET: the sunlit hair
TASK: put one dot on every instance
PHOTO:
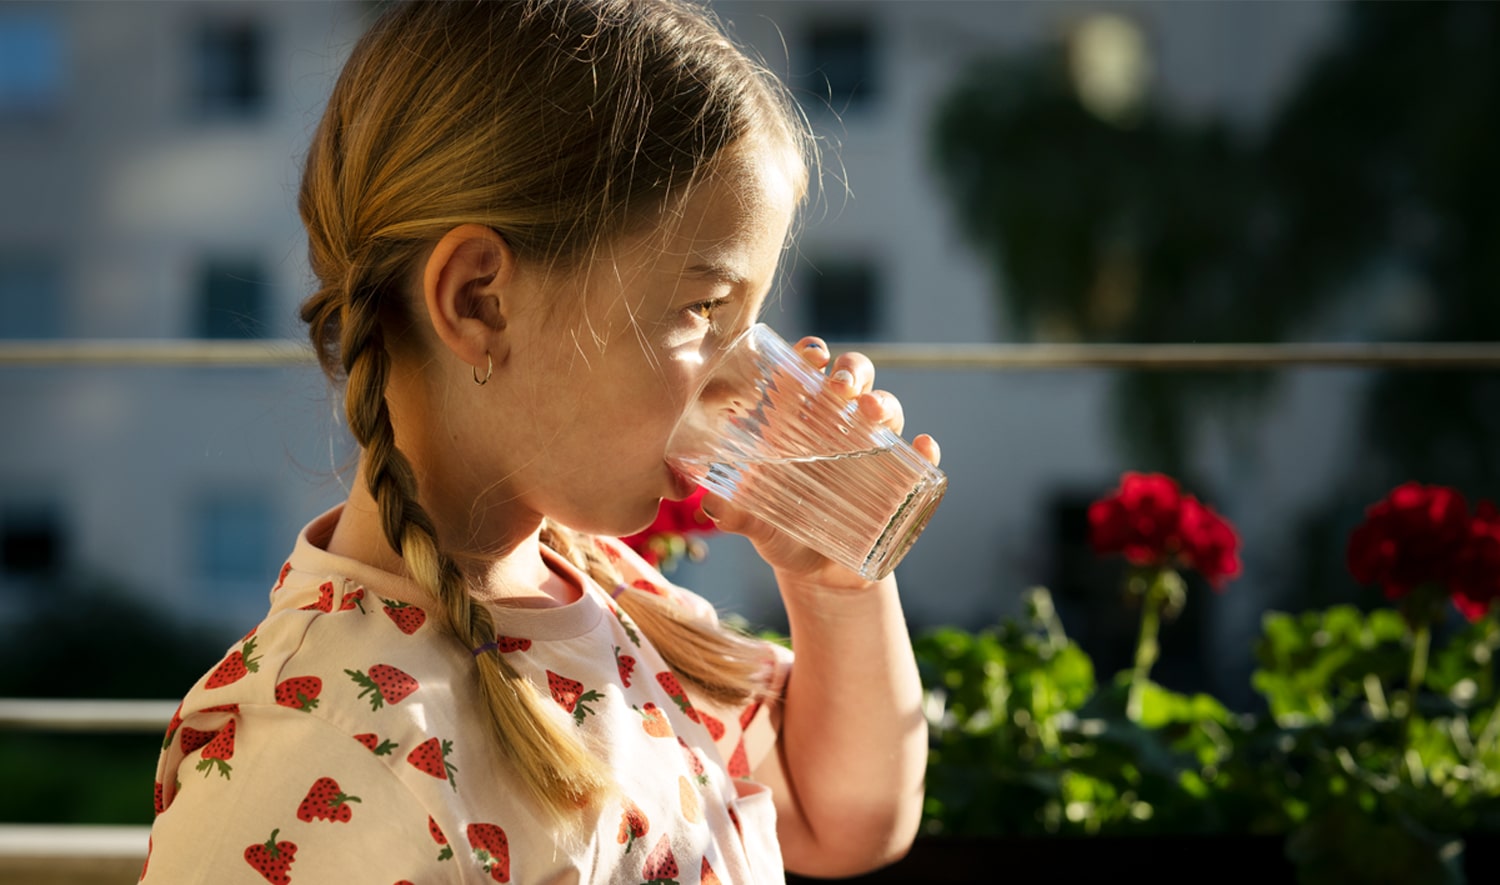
(560, 125)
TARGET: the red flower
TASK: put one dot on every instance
(1414, 536)
(1476, 580)
(1152, 524)
(673, 518)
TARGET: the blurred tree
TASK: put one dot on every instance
(1378, 174)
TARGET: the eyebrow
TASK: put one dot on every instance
(714, 271)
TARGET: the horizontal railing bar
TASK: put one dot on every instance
(54, 714)
(64, 842)
(1001, 357)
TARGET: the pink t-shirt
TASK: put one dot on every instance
(338, 743)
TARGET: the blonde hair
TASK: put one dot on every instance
(559, 125)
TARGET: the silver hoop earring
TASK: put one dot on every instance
(489, 369)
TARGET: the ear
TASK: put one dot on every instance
(464, 287)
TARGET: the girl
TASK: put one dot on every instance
(532, 222)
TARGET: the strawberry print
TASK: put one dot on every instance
(299, 692)
(668, 682)
(633, 825)
(626, 665)
(646, 586)
(286, 569)
(512, 643)
(609, 552)
(570, 695)
(439, 838)
(661, 865)
(234, 667)
(739, 763)
(192, 738)
(431, 757)
(491, 850)
(635, 638)
(158, 798)
(694, 763)
(707, 876)
(326, 801)
(172, 727)
(223, 708)
(375, 745)
(384, 685)
(655, 723)
(272, 859)
(218, 751)
(692, 809)
(325, 599)
(407, 617)
(747, 714)
(714, 726)
(352, 600)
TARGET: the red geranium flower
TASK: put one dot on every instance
(1414, 536)
(1476, 580)
(666, 537)
(1152, 524)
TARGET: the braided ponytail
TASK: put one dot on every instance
(560, 774)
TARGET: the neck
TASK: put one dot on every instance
(512, 573)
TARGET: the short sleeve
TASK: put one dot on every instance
(272, 794)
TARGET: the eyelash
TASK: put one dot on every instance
(705, 309)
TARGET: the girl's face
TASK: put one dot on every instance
(602, 361)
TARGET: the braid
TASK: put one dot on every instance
(561, 775)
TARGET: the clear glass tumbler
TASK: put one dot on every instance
(766, 432)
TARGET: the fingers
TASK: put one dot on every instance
(814, 350)
(928, 448)
(853, 374)
(882, 407)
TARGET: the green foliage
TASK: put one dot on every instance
(1026, 741)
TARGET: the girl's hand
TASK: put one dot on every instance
(853, 379)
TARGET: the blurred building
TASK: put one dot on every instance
(149, 157)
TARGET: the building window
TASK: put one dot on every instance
(230, 69)
(839, 66)
(32, 539)
(31, 296)
(233, 299)
(31, 64)
(233, 534)
(843, 298)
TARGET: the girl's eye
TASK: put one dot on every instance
(705, 309)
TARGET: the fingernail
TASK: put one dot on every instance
(844, 376)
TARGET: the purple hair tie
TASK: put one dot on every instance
(619, 588)
(492, 645)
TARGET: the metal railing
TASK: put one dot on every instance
(998, 357)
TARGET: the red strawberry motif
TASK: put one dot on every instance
(384, 685)
(158, 798)
(609, 552)
(661, 865)
(570, 695)
(192, 738)
(375, 745)
(299, 692)
(646, 586)
(748, 714)
(272, 859)
(234, 667)
(407, 617)
(286, 569)
(739, 763)
(626, 665)
(714, 726)
(439, 838)
(512, 643)
(633, 825)
(325, 599)
(491, 849)
(172, 727)
(668, 681)
(326, 801)
(218, 751)
(431, 757)
(707, 876)
(694, 762)
(223, 708)
(655, 723)
(352, 600)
